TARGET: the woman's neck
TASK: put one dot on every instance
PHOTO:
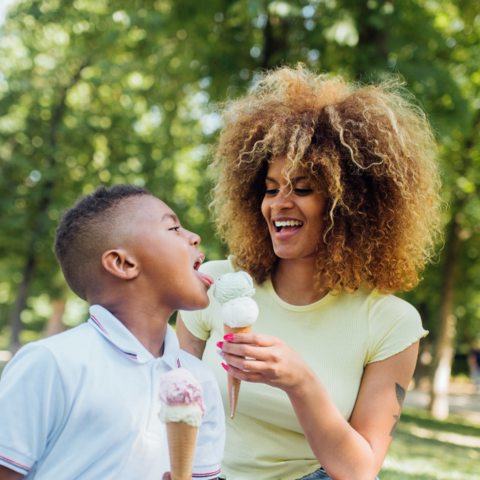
(293, 281)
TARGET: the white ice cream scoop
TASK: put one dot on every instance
(239, 312)
(233, 285)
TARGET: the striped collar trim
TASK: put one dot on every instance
(123, 340)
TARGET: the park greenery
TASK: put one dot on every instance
(101, 92)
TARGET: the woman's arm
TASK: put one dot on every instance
(189, 342)
(345, 451)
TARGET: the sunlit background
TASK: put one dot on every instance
(100, 92)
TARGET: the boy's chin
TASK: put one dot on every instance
(199, 302)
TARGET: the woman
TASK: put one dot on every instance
(327, 196)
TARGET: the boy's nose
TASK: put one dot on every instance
(194, 239)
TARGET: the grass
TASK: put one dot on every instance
(427, 449)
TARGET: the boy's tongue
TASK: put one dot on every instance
(206, 278)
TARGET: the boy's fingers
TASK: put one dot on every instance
(257, 339)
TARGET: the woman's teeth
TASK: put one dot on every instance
(288, 223)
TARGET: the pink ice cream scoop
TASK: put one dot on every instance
(180, 387)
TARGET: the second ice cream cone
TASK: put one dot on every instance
(234, 383)
(181, 445)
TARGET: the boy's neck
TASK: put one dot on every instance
(147, 324)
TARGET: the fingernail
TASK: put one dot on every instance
(221, 354)
(219, 345)
(229, 338)
(225, 367)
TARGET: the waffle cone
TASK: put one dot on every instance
(234, 383)
(181, 446)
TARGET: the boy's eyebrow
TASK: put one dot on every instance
(170, 216)
(294, 180)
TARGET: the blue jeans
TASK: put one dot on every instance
(320, 474)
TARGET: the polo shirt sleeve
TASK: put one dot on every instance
(394, 325)
(211, 434)
(32, 402)
(200, 322)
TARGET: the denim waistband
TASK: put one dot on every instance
(319, 474)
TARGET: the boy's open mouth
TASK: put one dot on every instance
(289, 226)
(206, 279)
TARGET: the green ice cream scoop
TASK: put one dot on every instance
(233, 285)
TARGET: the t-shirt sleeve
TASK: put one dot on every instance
(394, 325)
(199, 322)
(211, 434)
(32, 402)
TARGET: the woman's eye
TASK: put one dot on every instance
(272, 192)
(303, 191)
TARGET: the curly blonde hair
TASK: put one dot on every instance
(367, 148)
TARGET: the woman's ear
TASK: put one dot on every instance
(120, 263)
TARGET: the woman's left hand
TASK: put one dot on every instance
(270, 360)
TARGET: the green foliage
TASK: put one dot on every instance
(96, 92)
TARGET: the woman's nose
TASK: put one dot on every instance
(282, 200)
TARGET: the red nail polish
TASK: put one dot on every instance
(229, 338)
(225, 367)
(219, 344)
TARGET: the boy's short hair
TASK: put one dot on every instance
(84, 232)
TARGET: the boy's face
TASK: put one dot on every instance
(168, 256)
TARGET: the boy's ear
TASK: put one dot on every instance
(121, 264)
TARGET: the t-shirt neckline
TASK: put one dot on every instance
(296, 308)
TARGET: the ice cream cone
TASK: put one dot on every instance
(234, 383)
(181, 446)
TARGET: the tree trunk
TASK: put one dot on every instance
(20, 304)
(54, 324)
(447, 323)
(40, 214)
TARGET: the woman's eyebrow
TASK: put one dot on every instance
(294, 180)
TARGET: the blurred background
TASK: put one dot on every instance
(100, 92)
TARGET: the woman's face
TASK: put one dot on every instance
(295, 220)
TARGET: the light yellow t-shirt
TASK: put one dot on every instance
(336, 336)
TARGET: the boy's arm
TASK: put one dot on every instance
(189, 342)
(32, 406)
(7, 474)
(211, 434)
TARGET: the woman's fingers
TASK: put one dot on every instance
(244, 350)
(244, 364)
(257, 339)
(245, 376)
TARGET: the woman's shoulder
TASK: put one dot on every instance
(217, 268)
(382, 305)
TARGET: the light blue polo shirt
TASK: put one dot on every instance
(84, 405)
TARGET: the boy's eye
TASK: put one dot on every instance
(176, 229)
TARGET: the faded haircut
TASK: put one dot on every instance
(84, 231)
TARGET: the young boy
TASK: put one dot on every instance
(84, 404)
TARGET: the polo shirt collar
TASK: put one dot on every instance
(123, 339)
